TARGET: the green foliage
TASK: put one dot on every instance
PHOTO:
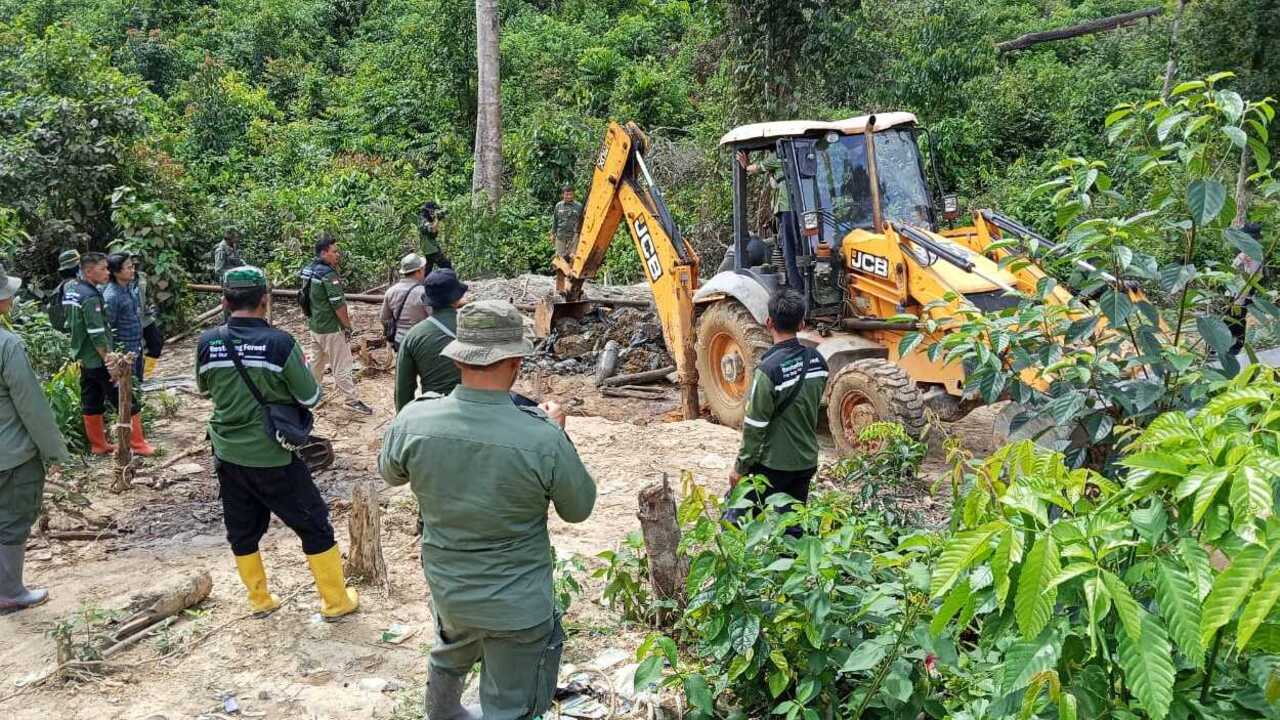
(47, 349)
(889, 464)
(62, 390)
(626, 578)
(564, 585)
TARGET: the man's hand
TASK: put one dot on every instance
(554, 411)
(742, 160)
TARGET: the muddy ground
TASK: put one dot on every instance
(291, 665)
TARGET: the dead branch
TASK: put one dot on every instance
(1093, 26)
(640, 378)
(196, 323)
(72, 535)
(200, 446)
(637, 393)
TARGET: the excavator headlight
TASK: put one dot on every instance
(810, 223)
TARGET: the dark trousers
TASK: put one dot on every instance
(152, 340)
(789, 482)
(251, 495)
(437, 260)
(98, 390)
(1237, 321)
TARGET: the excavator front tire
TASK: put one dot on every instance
(730, 343)
(867, 391)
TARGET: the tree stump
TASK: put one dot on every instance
(364, 556)
(661, 530)
(120, 365)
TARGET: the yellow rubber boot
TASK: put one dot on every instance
(148, 366)
(254, 577)
(336, 599)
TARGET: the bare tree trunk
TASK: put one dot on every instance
(661, 540)
(1242, 190)
(1171, 67)
(486, 177)
(364, 555)
(1093, 26)
(122, 367)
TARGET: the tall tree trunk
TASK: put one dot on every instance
(1242, 190)
(1171, 67)
(487, 175)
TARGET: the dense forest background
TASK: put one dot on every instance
(167, 122)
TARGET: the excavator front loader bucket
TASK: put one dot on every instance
(550, 309)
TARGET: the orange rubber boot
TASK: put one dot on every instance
(97, 436)
(137, 443)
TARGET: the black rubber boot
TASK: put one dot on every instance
(444, 697)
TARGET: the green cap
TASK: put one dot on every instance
(412, 263)
(69, 259)
(245, 276)
(488, 331)
(8, 285)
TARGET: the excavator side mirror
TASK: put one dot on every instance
(950, 206)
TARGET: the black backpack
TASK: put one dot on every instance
(309, 274)
(53, 306)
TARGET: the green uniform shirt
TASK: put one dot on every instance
(484, 472)
(420, 364)
(85, 323)
(778, 183)
(326, 297)
(225, 257)
(27, 426)
(777, 437)
(273, 360)
(566, 221)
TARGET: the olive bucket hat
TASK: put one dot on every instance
(9, 285)
(69, 259)
(489, 331)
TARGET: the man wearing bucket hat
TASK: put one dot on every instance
(484, 472)
(420, 362)
(68, 269)
(29, 438)
(402, 306)
(257, 476)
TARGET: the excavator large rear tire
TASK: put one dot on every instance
(730, 343)
(867, 391)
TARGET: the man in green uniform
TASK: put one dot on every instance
(257, 476)
(429, 236)
(29, 438)
(420, 362)
(90, 343)
(330, 322)
(566, 222)
(68, 270)
(484, 472)
(780, 430)
(226, 254)
(786, 229)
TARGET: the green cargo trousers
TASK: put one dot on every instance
(518, 671)
(21, 490)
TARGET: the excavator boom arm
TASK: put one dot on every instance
(670, 264)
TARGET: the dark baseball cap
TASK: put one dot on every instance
(442, 288)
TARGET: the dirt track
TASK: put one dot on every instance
(291, 665)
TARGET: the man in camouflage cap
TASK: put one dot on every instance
(29, 439)
(484, 471)
(68, 270)
(257, 476)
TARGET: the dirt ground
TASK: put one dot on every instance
(292, 665)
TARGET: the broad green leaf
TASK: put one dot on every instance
(743, 632)
(1206, 199)
(778, 681)
(1251, 495)
(1098, 602)
(1168, 124)
(1127, 608)
(1209, 488)
(698, 694)
(1215, 333)
(1118, 114)
(1147, 662)
(955, 600)
(1180, 606)
(1236, 135)
(1231, 588)
(1007, 552)
(1261, 601)
(1067, 709)
(1244, 242)
(1116, 305)
(867, 655)
(1187, 86)
(1198, 568)
(806, 690)
(1261, 154)
(1033, 605)
(959, 554)
(649, 673)
(1230, 102)
(1237, 398)
(909, 342)
(1173, 277)
(1027, 658)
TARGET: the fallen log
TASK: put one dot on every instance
(632, 392)
(197, 323)
(152, 606)
(291, 293)
(640, 378)
(667, 571)
(1093, 26)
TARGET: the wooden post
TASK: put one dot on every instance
(121, 366)
(658, 524)
(364, 556)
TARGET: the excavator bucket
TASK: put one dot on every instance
(549, 310)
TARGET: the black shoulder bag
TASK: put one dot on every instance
(289, 424)
(391, 327)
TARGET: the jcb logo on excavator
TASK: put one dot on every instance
(648, 250)
(869, 263)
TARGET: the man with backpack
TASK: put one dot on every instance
(780, 430)
(402, 306)
(421, 361)
(68, 271)
(325, 305)
(248, 369)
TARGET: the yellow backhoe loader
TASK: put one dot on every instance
(863, 241)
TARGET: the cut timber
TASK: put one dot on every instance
(638, 392)
(290, 293)
(1093, 26)
(197, 323)
(667, 570)
(608, 364)
(364, 555)
(154, 605)
(121, 368)
(640, 377)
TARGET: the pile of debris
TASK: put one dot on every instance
(577, 347)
